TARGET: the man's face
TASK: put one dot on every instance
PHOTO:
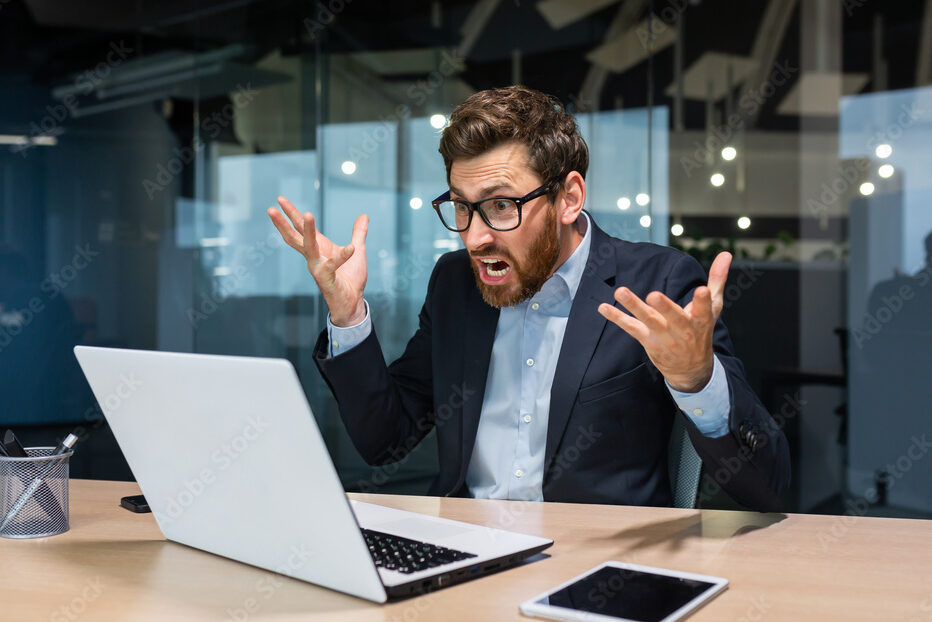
(510, 266)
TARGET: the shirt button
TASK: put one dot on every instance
(535, 306)
(527, 418)
(697, 412)
(530, 362)
(519, 473)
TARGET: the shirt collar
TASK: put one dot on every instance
(572, 269)
(556, 295)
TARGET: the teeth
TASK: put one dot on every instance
(494, 273)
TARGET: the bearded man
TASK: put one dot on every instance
(550, 357)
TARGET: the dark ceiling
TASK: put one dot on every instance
(43, 41)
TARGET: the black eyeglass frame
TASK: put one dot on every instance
(474, 206)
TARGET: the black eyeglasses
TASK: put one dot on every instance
(499, 213)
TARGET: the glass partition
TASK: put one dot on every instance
(140, 148)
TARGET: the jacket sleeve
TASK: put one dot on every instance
(752, 461)
(387, 409)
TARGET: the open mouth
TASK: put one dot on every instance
(493, 271)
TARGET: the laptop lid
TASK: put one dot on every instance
(231, 461)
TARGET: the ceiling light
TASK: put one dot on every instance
(348, 167)
(883, 151)
(867, 188)
(623, 203)
(642, 199)
(717, 179)
(729, 153)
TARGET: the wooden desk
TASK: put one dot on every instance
(115, 565)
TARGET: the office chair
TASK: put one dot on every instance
(685, 466)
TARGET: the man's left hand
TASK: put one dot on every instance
(678, 340)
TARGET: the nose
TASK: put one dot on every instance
(478, 236)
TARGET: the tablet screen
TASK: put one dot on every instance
(626, 593)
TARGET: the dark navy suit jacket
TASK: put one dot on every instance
(610, 411)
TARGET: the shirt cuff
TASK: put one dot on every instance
(709, 408)
(343, 339)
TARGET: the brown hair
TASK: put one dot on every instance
(515, 113)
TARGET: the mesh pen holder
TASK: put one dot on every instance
(34, 494)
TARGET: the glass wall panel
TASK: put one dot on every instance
(141, 146)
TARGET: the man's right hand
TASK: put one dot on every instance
(340, 271)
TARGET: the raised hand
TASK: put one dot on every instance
(678, 340)
(339, 271)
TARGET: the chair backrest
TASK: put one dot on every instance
(685, 466)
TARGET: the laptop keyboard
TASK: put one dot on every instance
(404, 555)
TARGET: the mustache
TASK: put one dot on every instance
(493, 252)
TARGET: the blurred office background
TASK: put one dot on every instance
(141, 143)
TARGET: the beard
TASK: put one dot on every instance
(542, 256)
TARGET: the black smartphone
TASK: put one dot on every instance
(136, 503)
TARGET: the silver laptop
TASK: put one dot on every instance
(230, 459)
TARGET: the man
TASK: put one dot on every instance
(534, 394)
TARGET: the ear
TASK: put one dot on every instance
(572, 198)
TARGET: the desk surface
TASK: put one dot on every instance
(115, 565)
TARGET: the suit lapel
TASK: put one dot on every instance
(583, 330)
(481, 321)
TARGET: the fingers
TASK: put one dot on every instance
(292, 212)
(639, 308)
(360, 229)
(310, 240)
(702, 305)
(625, 322)
(718, 274)
(340, 258)
(291, 237)
(672, 312)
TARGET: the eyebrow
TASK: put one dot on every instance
(484, 193)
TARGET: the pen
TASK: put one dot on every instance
(62, 448)
(15, 449)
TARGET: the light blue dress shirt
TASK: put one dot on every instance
(508, 457)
